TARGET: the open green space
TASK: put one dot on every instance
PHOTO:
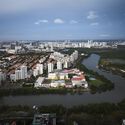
(96, 82)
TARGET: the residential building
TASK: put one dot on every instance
(57, 83)
(40, 68)
(63, 75)
(23, 70)
(66, 64)
(17, 74)
(35, 72)
(39, 82)
(50, 67)
(52, 75)
(59, 65)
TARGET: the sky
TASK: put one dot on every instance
(62, 19)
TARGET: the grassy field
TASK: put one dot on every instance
(96, 82)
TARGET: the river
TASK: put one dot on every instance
(116, 95)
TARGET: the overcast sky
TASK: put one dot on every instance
(62, 19)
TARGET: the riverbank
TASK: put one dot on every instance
(97, 114)
(41, 91)
(109, 66)
(97, 82)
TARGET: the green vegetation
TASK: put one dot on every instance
(113, 54)
(116, 67)
(86, 50)
(96, 82)
(91, 114)
(29, 90)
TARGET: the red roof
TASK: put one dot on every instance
(77, 79)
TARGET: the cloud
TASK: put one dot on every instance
(41, 21)
(59, 21)
(104, 35)
(92, 15)
(73, 22)
(94, 24)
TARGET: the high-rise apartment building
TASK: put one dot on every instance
(23, 70)
(50, 67)
(59, 65)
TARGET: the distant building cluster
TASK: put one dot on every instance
(49, 46)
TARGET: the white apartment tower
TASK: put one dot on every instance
(23, 70)
(17, 74)
(35, 72)
(40, 68)
(76, 54)
(72, 58)
(50, 67)
(66, 64)
(59, 65)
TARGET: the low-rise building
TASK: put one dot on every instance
(59, 65)
(57, 83)
(58, 75)
(79, 81)
(53, 75)
(68, 85)
(63, 75)
(39, 82)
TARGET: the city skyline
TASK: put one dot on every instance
(61, 19)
